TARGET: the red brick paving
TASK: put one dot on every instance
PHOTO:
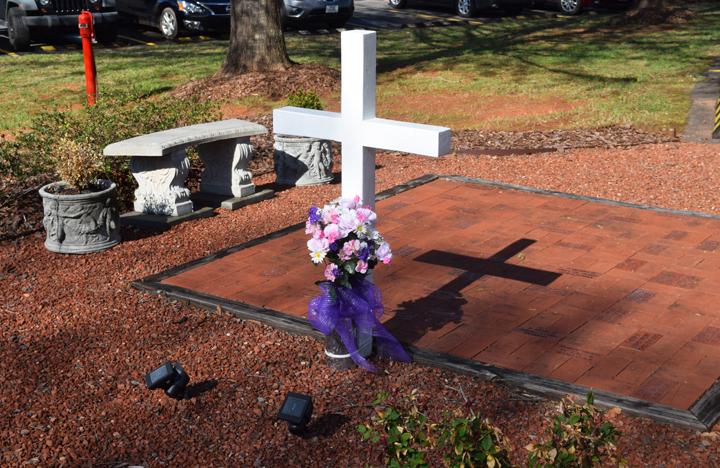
(616, 298)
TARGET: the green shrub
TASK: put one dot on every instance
(116, 116)
(409, 436)
(473, 442)
(404, 430)
(580, 436)
(306, 99)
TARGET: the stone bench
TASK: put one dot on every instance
(160, 164)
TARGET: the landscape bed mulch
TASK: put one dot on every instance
(273, 85)
(76, 339)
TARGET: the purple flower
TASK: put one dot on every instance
(335, 247)
(364, 253)
(314, 214)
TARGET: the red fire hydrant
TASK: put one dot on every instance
(85, 23)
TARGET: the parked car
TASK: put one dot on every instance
(573, 7)
(26, 19)
(470, 8)
(173, 16)
(334, 13)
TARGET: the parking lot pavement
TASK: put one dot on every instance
(369, 14)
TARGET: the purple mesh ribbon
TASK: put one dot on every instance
(341, 309)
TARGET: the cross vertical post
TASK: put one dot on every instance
(358, 74)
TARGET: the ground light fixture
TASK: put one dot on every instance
(296, 410)
(170, 377)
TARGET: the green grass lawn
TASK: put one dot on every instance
(541, 72)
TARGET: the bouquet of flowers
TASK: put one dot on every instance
(344, 239)
(343, 235)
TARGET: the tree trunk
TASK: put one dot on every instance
(256, 38)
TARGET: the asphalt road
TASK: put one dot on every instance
(369, 14)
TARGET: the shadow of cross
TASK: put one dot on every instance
(495, 265)
(414, 319)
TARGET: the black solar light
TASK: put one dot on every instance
(170, 377)
(296, 410)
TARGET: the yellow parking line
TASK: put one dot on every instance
(7, 52)
(203, 38)
(48, 48)
(184, 39)
(715, 71)
(152, 44)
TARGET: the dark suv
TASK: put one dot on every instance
(27, 18)
(173, 16)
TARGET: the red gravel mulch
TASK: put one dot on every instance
(76, 339)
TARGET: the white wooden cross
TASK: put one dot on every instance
(356, 126)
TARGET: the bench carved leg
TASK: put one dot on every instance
(226, 164)
(161, 184)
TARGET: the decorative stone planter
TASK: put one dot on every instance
(83, 223)
(302, 161)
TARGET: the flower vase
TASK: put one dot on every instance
(337, 356)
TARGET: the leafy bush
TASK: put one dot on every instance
(404, 430)
(116, 116)
(305, 99)
(580, 436)
(78, 163)
(408, 436)
(472, 441)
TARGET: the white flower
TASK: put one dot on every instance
(318, 249)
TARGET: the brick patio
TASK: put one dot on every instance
(609, 297)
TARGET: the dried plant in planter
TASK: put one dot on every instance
(78, 164)
(80, 212)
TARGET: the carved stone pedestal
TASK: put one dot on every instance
(226, 164)
(161, 184)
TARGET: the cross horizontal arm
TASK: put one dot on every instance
(307, 122)
(391, 135)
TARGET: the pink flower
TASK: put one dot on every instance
(350, 247)
(365, 215)
(329, 215)
(331, 272)
(361, 267)
(314, 230)
(332, 232)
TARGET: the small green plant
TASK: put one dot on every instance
(409, 437)
(78, 163)
(473, 442)
(404, 430)
(580, 436)
(305, 99)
